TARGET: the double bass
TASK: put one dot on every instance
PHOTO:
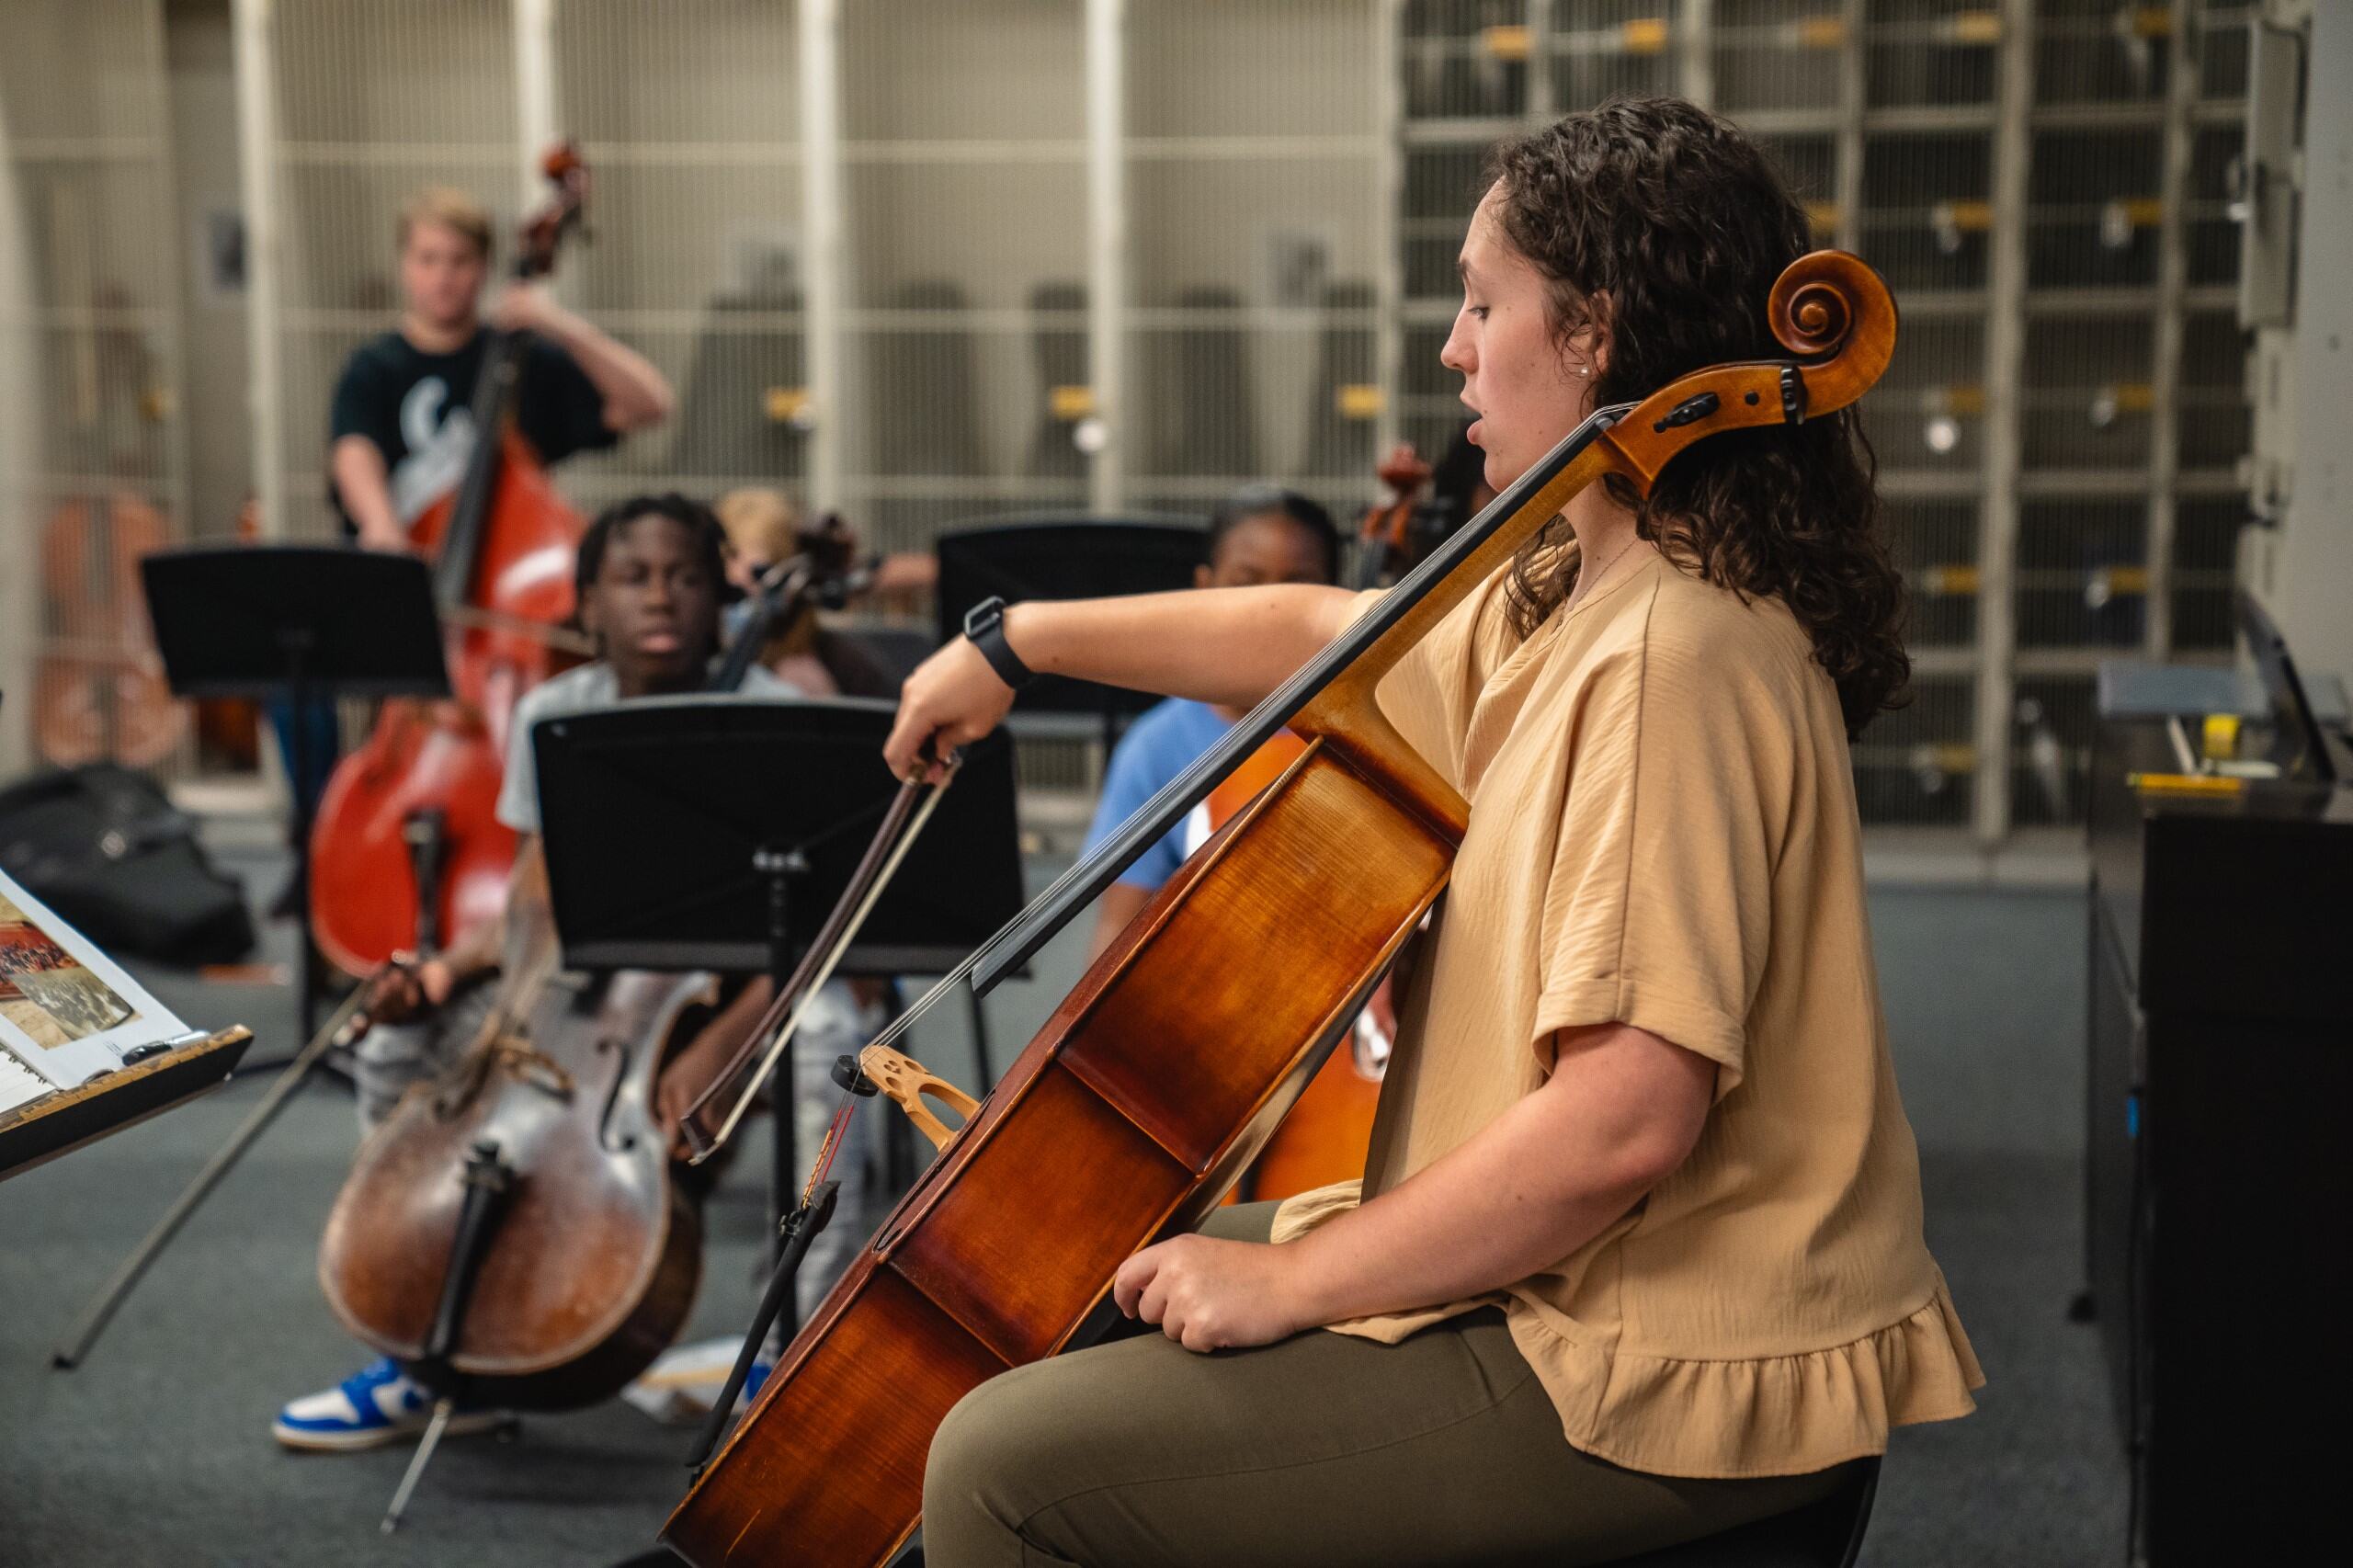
(503, 544)
(1159, 1077)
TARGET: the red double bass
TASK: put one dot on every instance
(503, 545)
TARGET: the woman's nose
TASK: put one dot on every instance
(1458, 355)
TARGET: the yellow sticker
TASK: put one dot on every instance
(1359, 400)
(1822, 32)
(1956, 579)
(1071, 403)
(2219, 742)
(1974, 27)
(1506, 41)
(785, 404)
(1645, 35)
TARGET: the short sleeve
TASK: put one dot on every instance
(364, 405)
(1431, 692)
(519, 788)
(1658, 911)
(559, 409)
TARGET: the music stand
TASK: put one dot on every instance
(745, 819)
(296, 622)
(1066, 558)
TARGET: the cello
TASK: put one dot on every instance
(1157, 1079)
(513, 1231)
(503, 543)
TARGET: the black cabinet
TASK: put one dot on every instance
(2218, 1180)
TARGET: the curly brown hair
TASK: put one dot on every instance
(1684, 224)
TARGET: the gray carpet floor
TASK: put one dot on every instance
(157, 1450)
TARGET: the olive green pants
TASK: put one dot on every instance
(1321, 1449)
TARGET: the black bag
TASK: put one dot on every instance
(104, 848)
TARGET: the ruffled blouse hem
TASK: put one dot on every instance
(1722, 1420)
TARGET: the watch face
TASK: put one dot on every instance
(983, 616)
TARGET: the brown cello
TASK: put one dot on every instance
(503, 544)
(1158, 1078)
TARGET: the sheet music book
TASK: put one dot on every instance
(68, 1013)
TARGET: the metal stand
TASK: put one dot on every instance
(426, 839)
(488, 1179)
(70, 1351)
(780, 868)
(793, 1237)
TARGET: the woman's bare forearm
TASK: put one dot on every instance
(1224, 646)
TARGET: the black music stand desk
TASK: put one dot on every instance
(718, 833)
(295, 623)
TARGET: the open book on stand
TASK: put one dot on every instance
(84, 1050)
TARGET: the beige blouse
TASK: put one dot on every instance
(1662, 833)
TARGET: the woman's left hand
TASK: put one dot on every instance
(1207, 1294)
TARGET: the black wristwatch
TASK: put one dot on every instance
(984, 629)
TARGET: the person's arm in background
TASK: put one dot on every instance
(636, 394)
(363, 484)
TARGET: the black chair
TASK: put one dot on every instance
(1827, 1534)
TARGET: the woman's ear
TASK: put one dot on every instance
(1598, 307)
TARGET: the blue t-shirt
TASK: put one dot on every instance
(1157, 748)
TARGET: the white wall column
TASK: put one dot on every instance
(823, 222)
(535, 118)
(2312, 568)
(1106, 248)
(256, 69)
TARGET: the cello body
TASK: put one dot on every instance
(596, 1255)
(102, 696)
(1153, 1086)
(1162, 1073)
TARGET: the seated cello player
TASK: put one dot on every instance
(649, 575)
(1637, 1256)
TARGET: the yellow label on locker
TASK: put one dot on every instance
(2152, 21)
(1071, 403)
(1821, 32)
(1822, 214)
(1507, 42)
(1962, 400)
(1950, 758)
(1956, 579)
(1974, 27)
(1359, 400)
(1969, 217)
(1645, 35)
(785, 404)
(2133, 397)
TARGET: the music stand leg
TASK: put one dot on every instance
(297, 694)
(94, 1319)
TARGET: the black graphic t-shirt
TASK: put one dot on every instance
(415, 407)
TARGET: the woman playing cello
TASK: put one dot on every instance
(1637, 1253)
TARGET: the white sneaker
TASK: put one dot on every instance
(377, 1405)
